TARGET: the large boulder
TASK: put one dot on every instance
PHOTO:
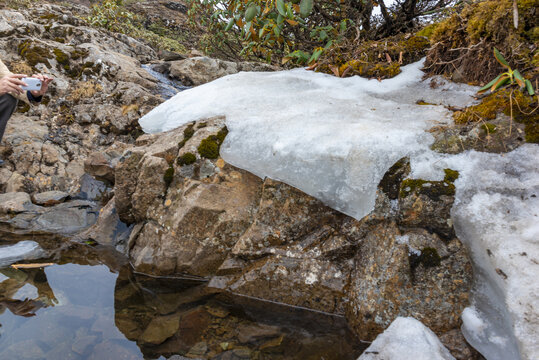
(194, 213)
(201, 69)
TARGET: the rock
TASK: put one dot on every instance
(170, 55)
(268, 240)
(416, 274)
(211, 212)
(199, 70)
(65, 218)
(16, 183)
(81, 344)
(112, 350)
(427, 204)
(199, 349)
(455, 342)
(15, 202)
(97, 165)
(251, 333)
(406, 338)
(50, 198)
(108, 229)
(160, 329)
(91, 189)
(23, 250)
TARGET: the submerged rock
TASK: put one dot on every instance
(405, 339)
(23, 250)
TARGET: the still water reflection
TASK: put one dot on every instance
(91, 305)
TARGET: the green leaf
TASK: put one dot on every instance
(250, 13)
(489, 85)
(501, 82)
(280, 7)
(280, 19)
(518, 76)
(529, 87)
(289, 12)
(500, 58)
(316, 54)
(230, 24)
(323, 35)
(343, 26)
(306, 7)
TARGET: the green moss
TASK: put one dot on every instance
(202, 125)
(208, 148)
(427, 31)
(429, 257)
(221, 135)
(60, 40)
(187, 159)
(49, 16)
(34, 54)
(489, 128)
(188, 133)
(450, 175)
(62, 58)
(432, 189)
(390, 183)
(515, 103)
(169, 176)
(23, 107)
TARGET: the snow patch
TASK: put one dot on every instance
(331, 138)
(405, 339)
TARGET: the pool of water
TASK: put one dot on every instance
(91, 305)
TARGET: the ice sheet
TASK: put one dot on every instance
(331, 138)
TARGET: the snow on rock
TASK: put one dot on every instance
(406, 338)
(496, 214)
(335, 138)
(331, 138)
(23, 250)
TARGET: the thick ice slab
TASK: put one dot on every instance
(496, 214)
(405, 339)
(331, 138)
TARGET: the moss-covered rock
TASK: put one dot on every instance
(168, 176)
(209, 147)
(427, 204)
(186, 159)
(372, 60)
(463, 43)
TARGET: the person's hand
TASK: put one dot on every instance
(12, 83)
(45, 81)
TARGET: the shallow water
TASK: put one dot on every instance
(167, 87)
(91, 305)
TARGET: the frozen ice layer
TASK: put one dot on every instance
(331, 138)
(406, 338)
(496, 215)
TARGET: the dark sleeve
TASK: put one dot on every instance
(32, 98)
